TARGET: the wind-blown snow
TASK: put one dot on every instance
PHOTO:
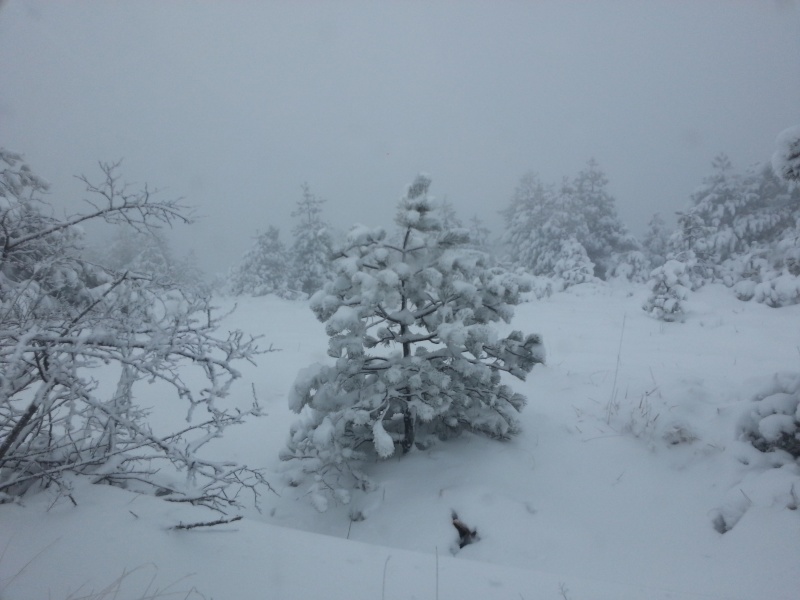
(627, 472)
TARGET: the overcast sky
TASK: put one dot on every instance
(233, 105)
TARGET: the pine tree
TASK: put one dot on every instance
(742, 230)
(656, 241)
(448, 216)
(602, 232)
(572, 264)
(786, 160)
(479, 234)
(670, 285)
(312, 243)
(409, 318)
(540, 218)
(264, 268)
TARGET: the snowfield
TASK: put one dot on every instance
(629, 480)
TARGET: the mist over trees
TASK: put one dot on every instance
(149, 254)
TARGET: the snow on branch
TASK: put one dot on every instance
(65, 321)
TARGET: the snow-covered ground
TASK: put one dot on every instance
(628, 464)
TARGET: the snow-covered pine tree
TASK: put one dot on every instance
(541, 218)
(312, 244)
(264, 268)
(631, 266)
(742, 229)
(156, 258)
(786, 160)
(602, 233)
(479, 234)
(773, 422)
(571, 265)
(409, 319)
(707, 227)
(528, 209)
(688, 244)
(538, 220)
(670, 284)
(448, 216)
(656, 241)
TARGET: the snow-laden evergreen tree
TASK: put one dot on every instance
(264, 268)
(730, 215)
(571, 264)
(479, 234)
(656, 241)
(448, 216)
(631, 266)
(603, 233)
(670, 284)
(705, 228)
(540, 218)
(773, 422)
(416, 358)
(786, 160)
(743, 231)
(312, 245)
(538, 221)
(688, 245)
(529, 207)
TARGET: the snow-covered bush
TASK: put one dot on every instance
(670, 285)
(783, 290)
(416, 358)
(773, 422)
(63, 318)
(540, 287)
(770, 275)
(572, 265)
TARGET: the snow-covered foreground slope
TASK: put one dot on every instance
(84, 550)
(628, 459)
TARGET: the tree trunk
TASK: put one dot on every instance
(409, 422)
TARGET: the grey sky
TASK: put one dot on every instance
(233, 105)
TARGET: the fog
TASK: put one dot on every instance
(234, 105)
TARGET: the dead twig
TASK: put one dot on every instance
(207, 523)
